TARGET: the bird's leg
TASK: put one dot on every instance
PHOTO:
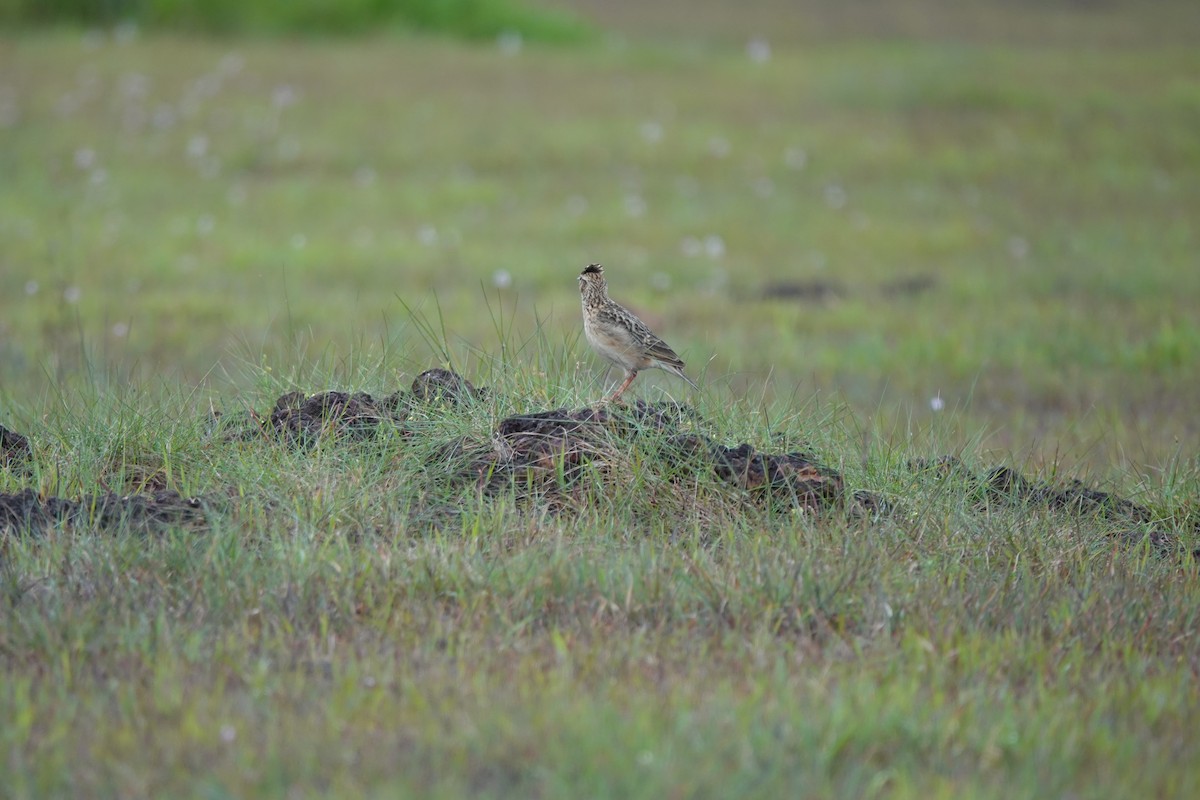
(621, 389)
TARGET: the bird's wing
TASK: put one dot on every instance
(653, 344)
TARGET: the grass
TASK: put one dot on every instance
(1000, 221)
(467, 19)
(326, 634)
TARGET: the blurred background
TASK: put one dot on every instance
(976, 215)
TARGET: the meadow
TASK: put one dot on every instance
(877, 239)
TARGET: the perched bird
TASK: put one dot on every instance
(616, 333)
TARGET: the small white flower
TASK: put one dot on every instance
(231, 64)
(835, 196)
(163, 118)
(197, 146)
(207, 85)
(72, 294)
(691, 247)
(289, 149)
(364, 176)
(714, 246)
(209, 168)
(284, 95)
(67, 105)
(10, 113)
(125, 32)
(509, 42)
(795, 157)
(134, 85)
(120, 330)
(577, 205)
(652, 132)
(502, 279)
(759, 51)
(936, 403)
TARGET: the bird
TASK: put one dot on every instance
(616, 333)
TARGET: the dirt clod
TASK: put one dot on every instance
(28, 512)
(444, 386)
(1006, 486)
(788, 478)
(302, 419)
(14, 448)
(546, 452)
(814, 291)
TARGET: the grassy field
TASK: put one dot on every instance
(873, 238)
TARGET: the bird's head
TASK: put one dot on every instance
(591, 280)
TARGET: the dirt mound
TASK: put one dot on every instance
(302, 420)
(27, 511)
(545, 452)
(819, 291)
(1005, 486)
(14, 449)
(787, 478)
(444, 386)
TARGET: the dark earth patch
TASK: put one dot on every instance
(544, 454)
(15, 450)
(303, 420)
(817, 290)
(812, 291)
(1005, 486)
(909, 287)
(27, 511)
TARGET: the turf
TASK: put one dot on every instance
(836, 226)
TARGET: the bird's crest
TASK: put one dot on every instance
(593, 269)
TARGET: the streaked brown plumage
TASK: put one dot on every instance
(616, 333)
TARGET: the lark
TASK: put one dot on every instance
(616, 333)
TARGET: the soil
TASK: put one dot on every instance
(818, 291)
(543, 456)
(27, 511)
(545, 453)
(15, 450)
